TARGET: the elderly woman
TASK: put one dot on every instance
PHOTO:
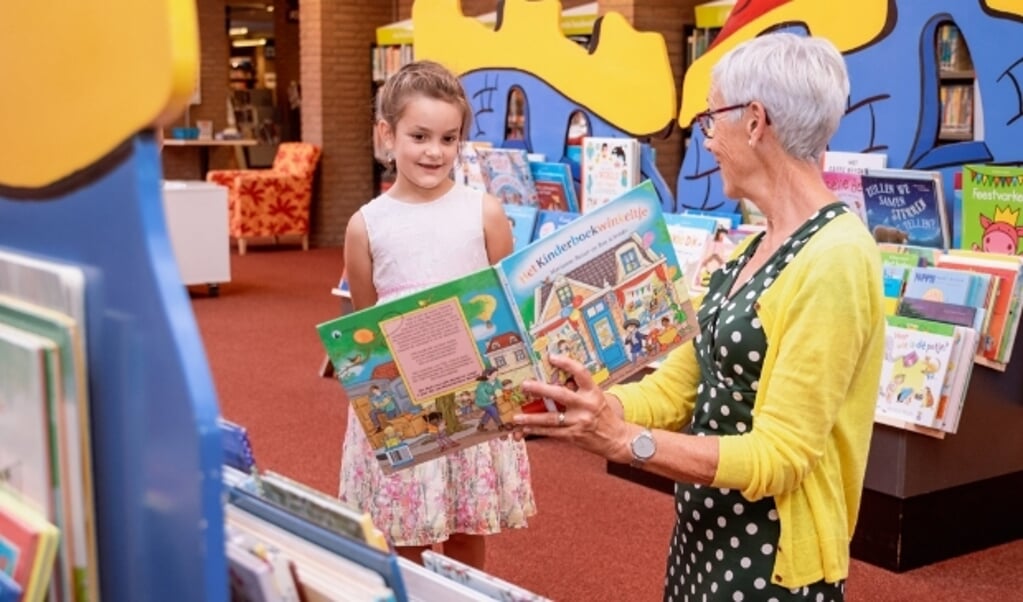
(764, 421)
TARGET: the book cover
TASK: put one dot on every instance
(991, 206)
(936, 311)
(606, 289)
(848, 188)
(28, 545)
(906, 206)
(237, 446)
(507, 175)
(522, 220)
(249, 577)
(1003, 316)
(555, 188)
(692, 237)
(468, 170)
(10, 591)
(442, 368)
(916, 360)
(548, 221)
(940, 284)
(319, 508)
(609, 168)
(476, 579)
(78, 561)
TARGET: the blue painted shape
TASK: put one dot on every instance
(894, 106)
(157, 448)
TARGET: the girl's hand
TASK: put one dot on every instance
(589, 421)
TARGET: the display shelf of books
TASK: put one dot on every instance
(111, 382)
(956, 84)
(710, 17)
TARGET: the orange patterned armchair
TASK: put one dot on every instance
(271, 202)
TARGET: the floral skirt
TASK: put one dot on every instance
(479, 490)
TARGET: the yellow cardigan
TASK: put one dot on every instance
(814, 409)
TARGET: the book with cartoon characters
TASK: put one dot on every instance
(609, 167)
(991, 206)
(442, 368)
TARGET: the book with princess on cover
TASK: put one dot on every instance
(442, 368)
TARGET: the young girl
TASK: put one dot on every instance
(426, 230)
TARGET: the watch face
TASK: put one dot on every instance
(643, 446)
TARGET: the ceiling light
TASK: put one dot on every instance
(238, 31)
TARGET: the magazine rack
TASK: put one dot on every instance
(156, 446)
(915, 484)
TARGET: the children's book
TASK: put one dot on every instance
(991, 207)
(237, 446)
(906, 206)
(610, 167)
(522, 220)
(548, 220)
(555, 188)
(916, 362)
(481, 581)
(1006, 272)
(10, 591)
(467, 170)
(28, 545)
(848, 188)
(507, 175)
(693, 239)
(441, 369)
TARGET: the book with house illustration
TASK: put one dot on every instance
(442, 368)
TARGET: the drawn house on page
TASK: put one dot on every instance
(584, 312)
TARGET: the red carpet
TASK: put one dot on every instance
(596, 537)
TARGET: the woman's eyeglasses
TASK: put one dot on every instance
(706, 119)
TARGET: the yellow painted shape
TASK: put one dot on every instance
(627, 80)
(849, 25)
(1012, 7)
(82, 76)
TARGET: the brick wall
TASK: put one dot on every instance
(183, 163)
(336, 36)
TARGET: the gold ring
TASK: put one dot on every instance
(561, 419)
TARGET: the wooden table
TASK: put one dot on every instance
(204, 149)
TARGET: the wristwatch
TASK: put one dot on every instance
(643, 447)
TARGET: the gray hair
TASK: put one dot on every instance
(801, 81)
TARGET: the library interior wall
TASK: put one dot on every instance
(332, 41)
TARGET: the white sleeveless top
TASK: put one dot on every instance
(417, 245)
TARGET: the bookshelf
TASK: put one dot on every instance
(709, 18)
(155, 448)
(956, 85)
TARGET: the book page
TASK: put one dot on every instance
(433, 348)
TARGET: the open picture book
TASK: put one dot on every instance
(442, 368)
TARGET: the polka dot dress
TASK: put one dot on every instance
(723, 546)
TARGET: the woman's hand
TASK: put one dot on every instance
(592, 420)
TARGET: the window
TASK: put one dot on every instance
(565, 296)
(630, 261)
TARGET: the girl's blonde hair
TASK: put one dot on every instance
(418, 78)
